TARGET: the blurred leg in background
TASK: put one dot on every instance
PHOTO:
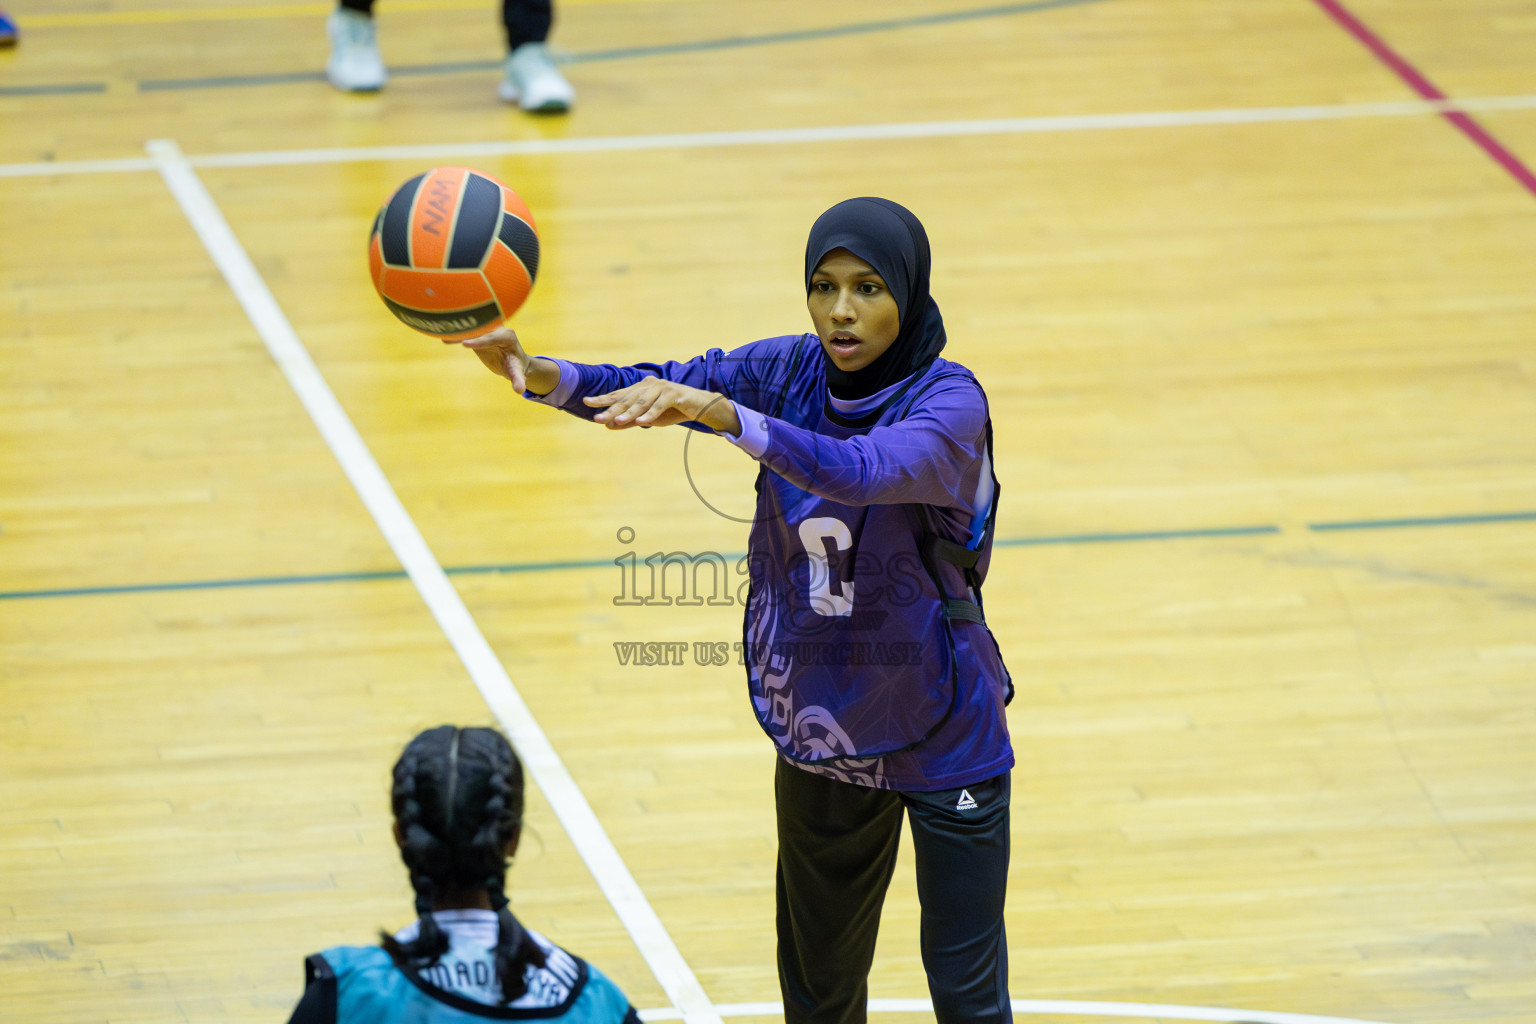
(530, 77)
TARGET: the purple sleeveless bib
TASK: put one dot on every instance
(849, 652)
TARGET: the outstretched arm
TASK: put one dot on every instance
(927, 457)
(503, 355)
(653, 402)
(648, 395)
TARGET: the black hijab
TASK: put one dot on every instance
(890, 239)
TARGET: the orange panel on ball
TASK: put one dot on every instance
(439, 290)
(507, 278)
(513, 203)
(433, 216)
(376, 261)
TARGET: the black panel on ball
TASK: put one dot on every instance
(475, 225)
(520, 238)
(431, 321)
(396, 236)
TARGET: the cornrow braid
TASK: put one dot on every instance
(516, 950)
(458, 803)
(425, 855)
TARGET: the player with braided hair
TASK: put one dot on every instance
(458, 808)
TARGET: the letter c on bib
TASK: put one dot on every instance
(829, 593)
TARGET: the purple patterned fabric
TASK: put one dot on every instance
(853, 669)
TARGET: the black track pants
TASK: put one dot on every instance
(837, 851)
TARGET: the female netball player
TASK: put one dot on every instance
(869, 663)
(458, 803)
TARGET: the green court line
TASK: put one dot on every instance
(526, 567)
(1395, 524)
(282, 581)
(510, 568)
(1111, 538)
(63, 89)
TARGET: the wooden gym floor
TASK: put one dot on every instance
(1250, 284)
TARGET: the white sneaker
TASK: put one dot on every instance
(533, 82)
(355, 64)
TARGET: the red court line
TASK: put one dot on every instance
(1429, 91)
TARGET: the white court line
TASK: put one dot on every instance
(1067, 1007)
(796, 136)
(48, 168)
(543, 764)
